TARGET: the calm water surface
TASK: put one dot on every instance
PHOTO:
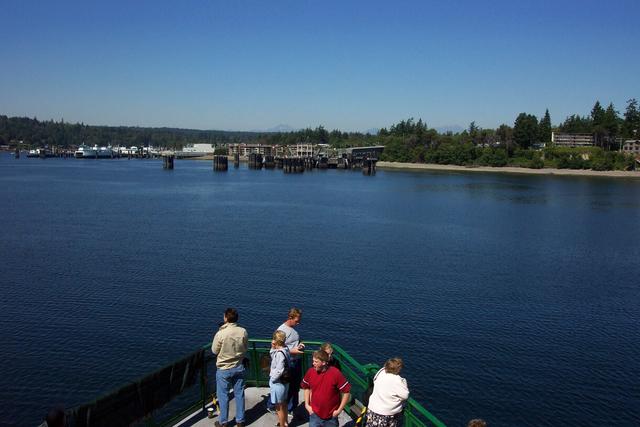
(511, 298)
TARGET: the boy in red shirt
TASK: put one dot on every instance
(322, 386)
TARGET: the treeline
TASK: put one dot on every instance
(319, 135)
(406, 141)
(34, 132)
(411, 141)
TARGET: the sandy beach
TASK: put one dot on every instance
(506, 169)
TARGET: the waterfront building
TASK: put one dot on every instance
(245, 149)
(198, 148)
(293, 150)
(359, 153)
(631, 146)
(572, 139)
(307, 149)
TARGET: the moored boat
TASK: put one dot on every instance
(85, 152)
(40, 152)
(104, 152)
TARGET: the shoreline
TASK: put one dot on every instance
(507, 169)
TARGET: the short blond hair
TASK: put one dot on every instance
(294, 312)
(393, 365)
(279, 338)
(477, 422)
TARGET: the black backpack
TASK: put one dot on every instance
(285, 377)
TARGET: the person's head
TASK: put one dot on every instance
(320, 360)
(279, 338)
(231, 315)
(477, 422)
(327, 348)
(56, 418)
(295, 314)
(393, 365)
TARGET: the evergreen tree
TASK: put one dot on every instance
(610, 123)
(545, 128)
(525, 130)
(597, 114)
(631, 126)
(474, 132)
(597, 120)
(576, 124)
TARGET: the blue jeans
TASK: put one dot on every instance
(316, 421)
(225, 380)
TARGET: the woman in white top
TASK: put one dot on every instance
(390, 392)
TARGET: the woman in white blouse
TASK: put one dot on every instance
(390, 392)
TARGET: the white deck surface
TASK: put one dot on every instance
(256, 414)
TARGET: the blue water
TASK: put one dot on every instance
(511, 298)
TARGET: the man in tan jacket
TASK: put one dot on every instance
(230, 345)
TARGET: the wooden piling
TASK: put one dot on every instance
(269, 162)
(369, 166)
(220, 163)
(323, 163)
(255, 161)
(167, 161)
(293, 165)
(17, 153)
(236, 160)
(309, 163)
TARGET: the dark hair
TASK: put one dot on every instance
(477, 422)
(231, 315)
(56, 417)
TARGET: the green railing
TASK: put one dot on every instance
(257, 375)
(359, 376)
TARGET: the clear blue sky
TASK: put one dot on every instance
(349, 65)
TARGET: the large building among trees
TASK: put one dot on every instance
(572, 139)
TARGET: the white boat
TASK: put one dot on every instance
(85, 152)
(121, 151)
(104, 152)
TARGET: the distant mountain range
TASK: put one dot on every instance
(278, 128)
(450, 128)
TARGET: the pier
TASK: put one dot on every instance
(289, 165)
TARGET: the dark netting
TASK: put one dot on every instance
(139, 399)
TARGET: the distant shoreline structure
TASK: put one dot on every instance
(508, 169)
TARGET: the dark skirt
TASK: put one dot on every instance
(377, 420)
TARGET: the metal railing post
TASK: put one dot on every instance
(203, 382)
(255, 362)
